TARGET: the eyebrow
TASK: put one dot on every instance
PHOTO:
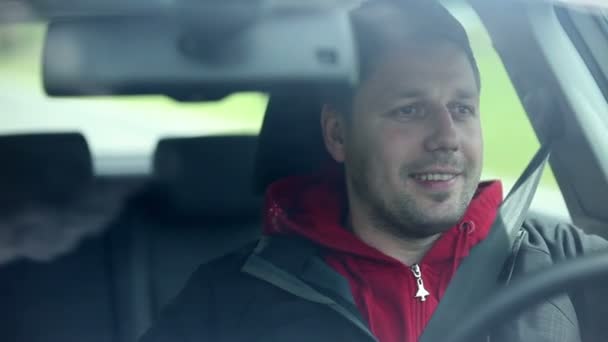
(466, 94)
(459, 93)
(411, 93)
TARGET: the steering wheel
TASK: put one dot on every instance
(530, 291)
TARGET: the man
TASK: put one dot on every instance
(366, 252)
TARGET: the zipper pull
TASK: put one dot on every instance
(422, 293)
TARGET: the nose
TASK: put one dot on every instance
(443, 134)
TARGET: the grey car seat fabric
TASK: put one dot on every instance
(290, 142)
(210, 206)
(108, 287)
(50, 199)
(199, 207)
(54, 279)
(42, 177)
(66, 300)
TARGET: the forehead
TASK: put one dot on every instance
(421, 67)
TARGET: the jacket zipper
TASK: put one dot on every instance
(421, 294)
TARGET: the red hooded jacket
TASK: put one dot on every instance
(383, 287)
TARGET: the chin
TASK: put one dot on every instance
(422, 231)
(440, 226)
(430, 224)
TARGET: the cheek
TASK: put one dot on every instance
(473, 145)
(398, 147)
(376, 153)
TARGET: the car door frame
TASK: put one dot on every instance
(561, 97)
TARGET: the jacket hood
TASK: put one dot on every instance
(314, 206)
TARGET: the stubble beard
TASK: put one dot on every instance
(399, 212)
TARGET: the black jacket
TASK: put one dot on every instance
(283, 291)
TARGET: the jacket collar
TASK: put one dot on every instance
(294, 265)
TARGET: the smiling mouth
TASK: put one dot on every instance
(434, 177)
(436, 181)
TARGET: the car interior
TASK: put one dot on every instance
(113, 284)
(129, 241)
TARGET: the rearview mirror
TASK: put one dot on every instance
(174, 55)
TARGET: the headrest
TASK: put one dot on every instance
(50, 199)
(51, 168)
(290, 141)
(208, 177)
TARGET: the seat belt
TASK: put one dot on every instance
(477, 277)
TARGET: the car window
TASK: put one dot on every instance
(509, 139)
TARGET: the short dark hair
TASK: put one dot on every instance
(380, 25)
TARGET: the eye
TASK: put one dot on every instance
(462, 110)
(415, 110)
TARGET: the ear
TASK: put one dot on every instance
(333, 129)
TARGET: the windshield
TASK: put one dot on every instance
(129, 127)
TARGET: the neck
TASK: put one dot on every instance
(408, 251)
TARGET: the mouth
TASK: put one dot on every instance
(436, 180)
(434, 177)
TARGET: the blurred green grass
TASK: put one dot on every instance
(509, 139)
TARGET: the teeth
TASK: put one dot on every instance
(434, 177)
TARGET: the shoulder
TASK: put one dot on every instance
(221, 302)
(559, 239)
(223, 268)
(214, 287)
(219, 283)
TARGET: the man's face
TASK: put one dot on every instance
(412, 146)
